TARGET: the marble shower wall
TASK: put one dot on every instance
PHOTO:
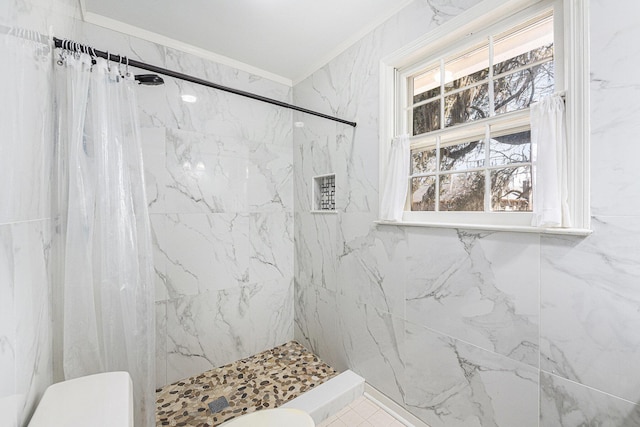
(26, 330)
(473, 328)
(219, 175)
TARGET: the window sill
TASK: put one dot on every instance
(490, 227)
(324, 212)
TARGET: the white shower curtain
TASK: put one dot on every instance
(108, 271)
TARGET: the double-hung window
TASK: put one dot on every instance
(465, 104)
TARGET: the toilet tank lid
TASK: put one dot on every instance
(100, 400)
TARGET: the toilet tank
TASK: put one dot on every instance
(101, 400)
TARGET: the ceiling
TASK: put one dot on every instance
(282, 39)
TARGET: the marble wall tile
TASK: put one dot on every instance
(614, 129)
(156, 175)
(357, 172)
(201, 180)
(371, 262)
(315, 249)
(270, 178)
(8, 321)
(614, 108)
(223, 113)
(158, 238)
(210, 143)
(161, 343)
(226, 75)
(316, 323)
(372, 341)
(612, 57)
(590, 299)
(271, 239)
(478, 287)
(451, 383)
(218, 327)
(153, 106)
(314, 154)
(215, 112)
(565, 403)
(202, 252)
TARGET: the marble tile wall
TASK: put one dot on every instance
(473, 328)
(219, 176)
(26, 149)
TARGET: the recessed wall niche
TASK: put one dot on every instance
(324, 193)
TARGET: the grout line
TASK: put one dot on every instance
(590, 388)
(436, 331)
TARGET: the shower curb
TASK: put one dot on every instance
(330, 397)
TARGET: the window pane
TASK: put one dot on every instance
(423, 193)
(426, 95)
(535, 55)
(466, 69)
(463, 156)
(467, 106)
(513, 148)
(476, 77)
(462, 192)
(524, 46)
(518, 90)
(426, 118)
(426, 85)
(423, 161)
(511, 189)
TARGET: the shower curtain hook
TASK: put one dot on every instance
(127, 69)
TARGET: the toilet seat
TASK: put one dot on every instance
(280, 417)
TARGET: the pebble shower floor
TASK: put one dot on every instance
(265, 380)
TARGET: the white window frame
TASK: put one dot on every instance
(571, 19)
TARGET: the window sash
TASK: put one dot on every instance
(484, 129)
(494, 127)
(481, 43)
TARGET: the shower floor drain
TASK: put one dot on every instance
(218, 405)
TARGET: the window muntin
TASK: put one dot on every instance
(471, 147)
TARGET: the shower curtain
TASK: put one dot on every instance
(108, 271)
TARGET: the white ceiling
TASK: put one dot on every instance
(287, 39)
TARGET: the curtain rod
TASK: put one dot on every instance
(74, 46)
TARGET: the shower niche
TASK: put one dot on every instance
(323, 194)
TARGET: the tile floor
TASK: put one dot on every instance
(362, 413)
(265, 380)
